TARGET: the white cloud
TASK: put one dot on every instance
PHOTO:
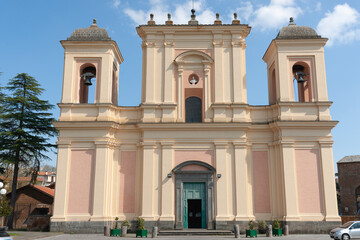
(318, 6)
(180, 13)
(116, 3)
(276, 14)
(138, 16)
(341, 25)
(244, 12)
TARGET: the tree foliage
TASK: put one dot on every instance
(25, 127)
(5, 208)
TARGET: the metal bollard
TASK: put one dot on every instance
(123, 231)
(269, 230)
(107, 231)
(286, 230)
(237, 231)
(154, 232)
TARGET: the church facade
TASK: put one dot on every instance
(194, 153)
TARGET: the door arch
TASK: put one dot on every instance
(194, 172)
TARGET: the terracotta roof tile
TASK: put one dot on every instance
(47, 190)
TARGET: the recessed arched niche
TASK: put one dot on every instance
(87, 81)
(193, 85)
(302, 81)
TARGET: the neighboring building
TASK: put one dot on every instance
(48, 178)
(194, 154)
(32, 201)
(349, 181)
(22, 181)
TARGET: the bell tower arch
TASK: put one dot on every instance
(296, 66)
(91, 65)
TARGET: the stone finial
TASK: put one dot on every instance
(151, 21)
(94, 23)
(292, 21)
(169, 21)
(217, 21)
(193, 20)
(235, 21)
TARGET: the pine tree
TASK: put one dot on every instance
(25, 128)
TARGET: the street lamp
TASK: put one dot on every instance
(3, 190)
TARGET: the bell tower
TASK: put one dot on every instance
(296, 69)
(91, 67)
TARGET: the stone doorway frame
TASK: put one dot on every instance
(206, 177)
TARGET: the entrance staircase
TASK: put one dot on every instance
(195, 232)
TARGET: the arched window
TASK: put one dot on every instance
(193, 110)
(357, 195)
(272, 88)
(87, 80)
(302, 82)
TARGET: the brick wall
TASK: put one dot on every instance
(349, 180)
(27, 203)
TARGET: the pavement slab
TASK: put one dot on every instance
(61, 236)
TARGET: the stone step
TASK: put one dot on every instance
(194, 232)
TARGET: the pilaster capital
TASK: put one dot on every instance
(206, 68)
(63, 143)
(240, 145)
(218, 43)
(180, 69)
(169, 43)
(326, 144)
(243, 44)
(148, 44)
(103, 144)
(148, 145)
(286, 144)
(220, 145)
(167, 145)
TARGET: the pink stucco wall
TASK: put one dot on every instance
(81, 182)
(261, 182)
(127, 182)
(194, 168)
(206, 156)
(308, 180)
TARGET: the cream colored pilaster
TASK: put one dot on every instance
(169, 88)
(239, 69)
(221, 183)
(180, 101)
(320, 78)
(68, 89)
(167, 191)
(207, 91)
(101, 181)
(273, 195)
(241, 176)
(104, 83)
(328, 181)
(63, 176)
(147, 207)
(289, 179)
(243, 72)
(150, 73)
(285, 82)
(219, 75)
(249, 182)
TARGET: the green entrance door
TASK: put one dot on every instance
(194, 202)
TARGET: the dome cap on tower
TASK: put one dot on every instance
(292, 31)
(92, 33)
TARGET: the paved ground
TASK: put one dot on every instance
(60, 236)
(23, 235)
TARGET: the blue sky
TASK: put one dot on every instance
(31, 31)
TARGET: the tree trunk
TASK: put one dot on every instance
(13, 194)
